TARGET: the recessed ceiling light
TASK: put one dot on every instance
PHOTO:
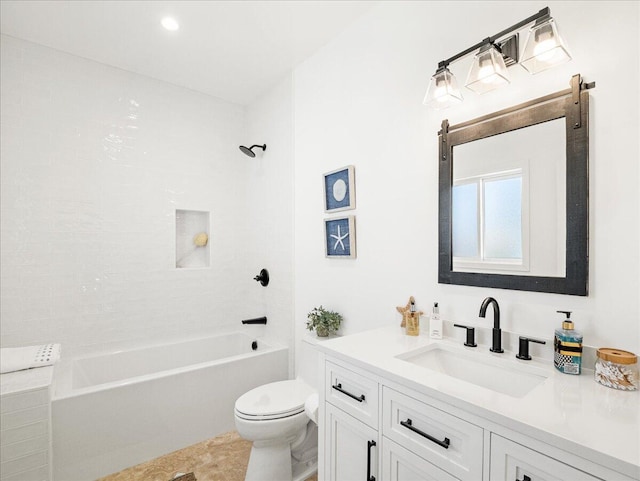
(170, 24)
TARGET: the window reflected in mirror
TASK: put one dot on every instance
(488, 213)
(508, 202)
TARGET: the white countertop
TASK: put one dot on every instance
(574, 413)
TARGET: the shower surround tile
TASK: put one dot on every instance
(95, 163)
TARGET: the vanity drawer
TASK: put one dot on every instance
(511, 460)
(352, 392)
(454, 445)
(400, 464)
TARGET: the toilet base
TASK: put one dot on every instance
(302, 471)
(276, 460)
(273, 460)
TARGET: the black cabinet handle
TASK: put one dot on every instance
(445, 443)
(338, 387)
(524, 478)
(371, 444)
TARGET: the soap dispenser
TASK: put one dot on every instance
(413, 319)
(567, 345)
(435, 323)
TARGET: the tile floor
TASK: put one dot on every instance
(223, 458)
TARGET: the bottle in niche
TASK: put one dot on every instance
(567, 346)
(435, 323)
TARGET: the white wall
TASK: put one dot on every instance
(88, 203)
(359, 101)
(95, 161)
(268, 198)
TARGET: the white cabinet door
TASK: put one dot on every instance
(400, 464)
(513, 462)
(351, 448)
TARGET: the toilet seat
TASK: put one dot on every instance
(276, 400)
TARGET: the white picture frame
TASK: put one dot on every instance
(340, 237)
(338, 188)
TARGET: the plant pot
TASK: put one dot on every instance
(322, 331)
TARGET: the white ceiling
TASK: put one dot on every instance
(234, 50)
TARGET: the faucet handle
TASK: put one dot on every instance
(262, 278)
(471, 335)
(523, 348)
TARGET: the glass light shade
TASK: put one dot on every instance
(443, 91)
(488, 71)
(544, 48)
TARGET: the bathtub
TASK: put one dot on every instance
(116, 410)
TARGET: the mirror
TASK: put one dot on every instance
(508, 203)
(514, 196)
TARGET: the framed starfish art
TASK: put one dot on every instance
(340, 237)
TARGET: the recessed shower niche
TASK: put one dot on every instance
(192, 239)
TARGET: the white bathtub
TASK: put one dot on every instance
(116, 410)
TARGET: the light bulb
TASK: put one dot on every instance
(440, 92)
(487, 74)
(545, 50)
(170, 24)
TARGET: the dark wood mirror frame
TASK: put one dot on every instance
(571, 104)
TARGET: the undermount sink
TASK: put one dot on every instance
(490, 371)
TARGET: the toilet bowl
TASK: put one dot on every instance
(285, 439)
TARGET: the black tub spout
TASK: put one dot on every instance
(257, 320)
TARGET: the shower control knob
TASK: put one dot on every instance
(263, 277)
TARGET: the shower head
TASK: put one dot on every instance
(249, 150)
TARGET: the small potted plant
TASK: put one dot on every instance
(323, 321)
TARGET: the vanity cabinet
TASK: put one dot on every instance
(400, 464)
(377, 429)
(351, 424)
(352, 447)
(511, 461)
(441, 439)
(353, 392)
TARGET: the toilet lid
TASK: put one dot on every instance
(277, 399)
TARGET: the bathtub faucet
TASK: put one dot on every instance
(257, 320)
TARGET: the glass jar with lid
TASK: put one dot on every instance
(617, 369)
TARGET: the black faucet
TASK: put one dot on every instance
(497, 332)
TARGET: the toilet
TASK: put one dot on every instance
(284, 433)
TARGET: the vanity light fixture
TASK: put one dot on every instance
(488, 70)
(443, 90)
(544, 48)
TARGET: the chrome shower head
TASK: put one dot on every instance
(249, 150)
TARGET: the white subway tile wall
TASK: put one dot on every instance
(95, 162)
(25, 433)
